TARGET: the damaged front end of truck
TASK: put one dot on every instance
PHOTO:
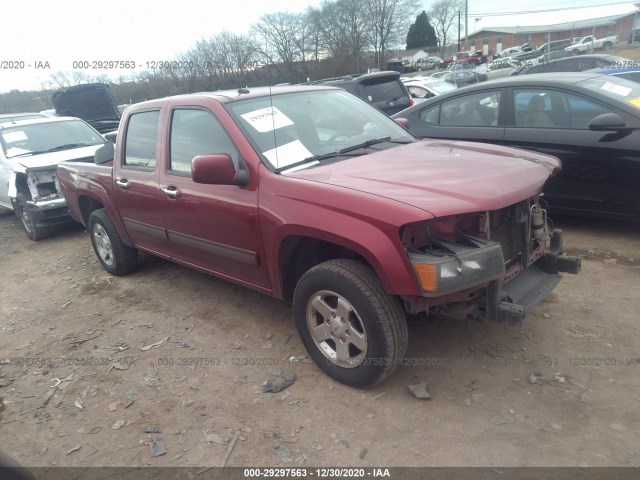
(494, 264)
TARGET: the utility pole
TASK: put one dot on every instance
(458, 30)
(466, 24)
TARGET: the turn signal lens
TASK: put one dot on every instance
(428, 276)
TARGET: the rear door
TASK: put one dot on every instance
(476, 116)
(599, 169)
(211, 227)
(136, 190)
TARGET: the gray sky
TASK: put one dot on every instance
(63, 31)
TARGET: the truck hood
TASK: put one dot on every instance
(442, 177)
(93, 103)
(22, 164)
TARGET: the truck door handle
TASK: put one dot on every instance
(171, 191)
(123, 183)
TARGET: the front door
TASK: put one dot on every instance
(212, 227)
(600, 170)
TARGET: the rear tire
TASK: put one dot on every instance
(33, 231)
(115, 257)
(352, 328)
(607, 46)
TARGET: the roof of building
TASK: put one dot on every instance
(558, 27)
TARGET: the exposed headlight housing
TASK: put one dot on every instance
(454, 266)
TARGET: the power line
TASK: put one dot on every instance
(524, 12)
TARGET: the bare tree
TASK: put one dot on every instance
(343, 27)
(389, 20)
(280, 38)
(444, 16)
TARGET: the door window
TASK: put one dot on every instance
(477, 110)
(197, 132)
(140, 140)
(540, 108)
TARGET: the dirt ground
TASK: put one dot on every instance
(62, 317)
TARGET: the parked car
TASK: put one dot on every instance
(498, 68)
(400, 66)
(521, 57)
(555, 45)
(14, 117)
(92, 102)
(554, 55)
(461, 78)
(383, 90)
(421, 88)
(426, 64)
(459, 56)
(507, 52)
(31, 151)
(591, 122)
(589, 43)
(312, 195)
(439, 75)
(572, 64)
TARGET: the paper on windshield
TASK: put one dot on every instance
(634, 101)
(267, 119)
(287, 154)
(617, 89)
(16, 136)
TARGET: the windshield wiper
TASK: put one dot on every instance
(67, 146)
(370, 143)
(347, 151)
(315, 158)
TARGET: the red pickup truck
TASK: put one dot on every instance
(310, 194)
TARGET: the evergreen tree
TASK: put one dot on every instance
(421, 33)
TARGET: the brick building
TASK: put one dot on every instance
(494, 40)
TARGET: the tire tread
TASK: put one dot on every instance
(126, 258)
(386, 307)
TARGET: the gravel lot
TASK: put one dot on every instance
(560, 391)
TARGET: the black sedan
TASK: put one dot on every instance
(591, 122)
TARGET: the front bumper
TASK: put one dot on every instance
(49, 213)
(511, 302)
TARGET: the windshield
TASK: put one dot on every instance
(47, 137)
(614, 87)
(286, 129)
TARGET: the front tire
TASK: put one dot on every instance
(353, 329)
(33, 231)
(115, 257)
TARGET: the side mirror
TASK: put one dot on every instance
(217, 169)
(607, 122)
(403, 122)
(104, 154)
(111, 136)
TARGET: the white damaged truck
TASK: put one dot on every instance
(29, 156)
